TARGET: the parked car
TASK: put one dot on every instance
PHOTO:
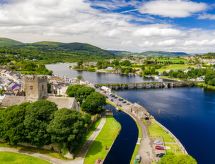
(160, 155)
(159, 147)
(158, 142)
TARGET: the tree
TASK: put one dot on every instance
(80, 92)
(72, 89)
(79, 77)
(2, 131)
(115, 63)
(125, 63)
(83, 92)
(177, 159)
(68, 127)
(94, 103)
(14, 129)
(38, 116)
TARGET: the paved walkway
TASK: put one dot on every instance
(78, 160)
(145, 149)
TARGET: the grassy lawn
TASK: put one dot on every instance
(104, 140)
(175, 67)
(155, 131)
(135, 153)
(35, 150)
(15, 158)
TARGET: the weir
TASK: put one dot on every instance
(147, 85)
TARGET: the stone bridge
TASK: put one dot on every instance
(147, 85)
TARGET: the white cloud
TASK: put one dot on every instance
(156, 30)
(207, 16)
(77, 21)
(170, 42)
(172, 8)
(200, 43)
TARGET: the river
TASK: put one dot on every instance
(93, 77)
(187, 112)
(124, 145)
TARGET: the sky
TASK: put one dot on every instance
(130, 25)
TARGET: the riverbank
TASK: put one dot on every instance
(103, 142)
(205, 86)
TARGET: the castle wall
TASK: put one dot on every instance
(13, 100)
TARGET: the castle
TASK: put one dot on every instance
(35, 87)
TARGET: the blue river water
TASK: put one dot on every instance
(187, 112)
(62, 69)
(124, 145)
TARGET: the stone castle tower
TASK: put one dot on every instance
(35, 87)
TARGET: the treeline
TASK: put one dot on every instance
(208, 74)
(123, 67)
(91, 101)
(190, 74)
(41, 123)
(29, 67)
(164, 60)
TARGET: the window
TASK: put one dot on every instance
(31, 87)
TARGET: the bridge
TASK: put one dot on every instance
(147, 85)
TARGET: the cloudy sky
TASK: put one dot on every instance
(133, 25)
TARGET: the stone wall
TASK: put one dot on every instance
(13, 100)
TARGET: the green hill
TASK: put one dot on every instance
(5, 42)
(46, 43)
(50, 52)
(77, 48)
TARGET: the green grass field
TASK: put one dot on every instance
(155, 131)
(171, 60)
(104, 140)
(15, 158)
(34, 150)
(175, 67)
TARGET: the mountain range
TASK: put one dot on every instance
(81, 48)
